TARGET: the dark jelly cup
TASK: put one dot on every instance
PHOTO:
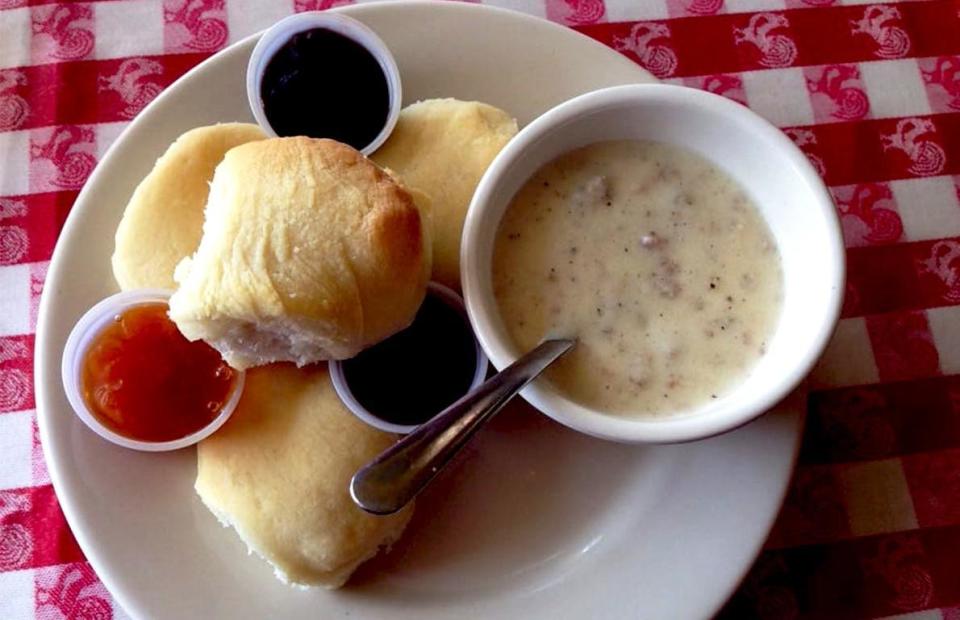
(324, 75)
(409, 378)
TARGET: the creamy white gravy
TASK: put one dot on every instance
(655, 260)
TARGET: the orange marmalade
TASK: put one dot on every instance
(142, 379)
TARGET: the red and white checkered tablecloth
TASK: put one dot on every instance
(871, 92)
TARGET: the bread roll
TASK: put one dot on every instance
(164, 218)
(279, 472)
(442, 147)
(309, 252)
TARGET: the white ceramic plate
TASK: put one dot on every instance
(534, 522)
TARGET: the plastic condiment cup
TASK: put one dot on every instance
(342, 387)
(277, 35)
(776, 175)
(87, 328)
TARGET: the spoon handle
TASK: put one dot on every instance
(387, 483)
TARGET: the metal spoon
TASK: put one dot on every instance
(389, 482)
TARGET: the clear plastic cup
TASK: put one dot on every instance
(88, 327)
(342, 387)
(277, 35)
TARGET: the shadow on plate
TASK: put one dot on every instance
(527, 497)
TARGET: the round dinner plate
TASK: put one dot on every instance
(534, 521)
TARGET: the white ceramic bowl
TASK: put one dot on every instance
(277, 35)
(91, 324)
(774, 173)
(342, 386)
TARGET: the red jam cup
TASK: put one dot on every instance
(91, 325)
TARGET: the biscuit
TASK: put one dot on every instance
(163, 221)
(310, 252)
(442, 147)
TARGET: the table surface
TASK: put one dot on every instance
(871, 92)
